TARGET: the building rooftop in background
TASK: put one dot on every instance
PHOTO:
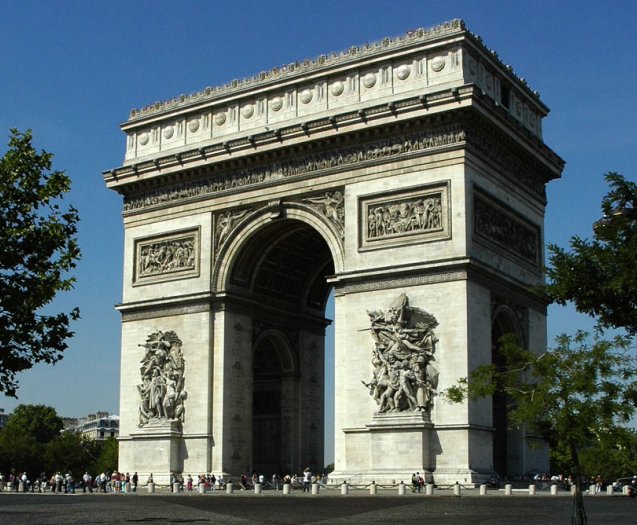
(98, 426)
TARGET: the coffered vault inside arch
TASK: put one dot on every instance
(280, 270)
(285, 262)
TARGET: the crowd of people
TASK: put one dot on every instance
(67, 484)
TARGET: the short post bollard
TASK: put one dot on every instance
(151, 488)
(257, 488)
(401, 489)
(315, 488)
(609, 490)
(229, 488)
(429, 489)
(344, 488)
(286, 488)
(573, 489)
(21, 486)
(508, 489)
(483, 490)
(532, 489)
(625, 490)
(201, 487)
(176, 487)
(591, 490)
(373, 489)
(457, 489)
(553, 490)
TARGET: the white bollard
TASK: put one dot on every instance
(176, 488)
(573, 489)
(483, 490)
(532, 489)
(553, 490)
(151, 488)
(457, 489)
(286, 488)
(592, 490)
(609, 490)
(201, 487)
(373, 489)
(344, 488)
(401, 489)
(315, 488)
(229, 488)
(257, 488)
(508, 489)
(625, 490)
(429, 489)
(21, 486)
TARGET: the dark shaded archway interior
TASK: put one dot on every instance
(502, 325)
(282, 269)
(287, 262)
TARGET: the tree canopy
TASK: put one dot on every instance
(39, 248)
(600, 275)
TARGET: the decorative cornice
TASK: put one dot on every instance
(320, 164)
(399, 283)
(306, 67)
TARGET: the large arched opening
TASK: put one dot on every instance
(506, 445)
(278, 275)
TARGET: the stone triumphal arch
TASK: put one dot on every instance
(408, 176)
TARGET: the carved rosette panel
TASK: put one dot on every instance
(405, 375)
(331, 205)
(161, 390)
(504, 229)
(170, 256)
(395, 219)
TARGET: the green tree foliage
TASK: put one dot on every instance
(109, 456)
(600, 275)
(39, 247)
(70, 452)
(575, 396)
(24, 438)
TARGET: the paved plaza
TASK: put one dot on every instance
(329, 507)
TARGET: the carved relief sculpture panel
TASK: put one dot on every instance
(405, 376)
(504, 230)
(395, 219)
(170, 256)
(162, 373)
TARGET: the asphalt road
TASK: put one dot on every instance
(332, 508)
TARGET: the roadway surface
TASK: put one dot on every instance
(327, 507)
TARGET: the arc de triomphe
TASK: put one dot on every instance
(408, 176)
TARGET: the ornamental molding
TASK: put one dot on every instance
(335, 161)
(402, 282)
(326, 61)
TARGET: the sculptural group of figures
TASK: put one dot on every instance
(418, 215)
(405, 376)
(164, 256)
(162, 370)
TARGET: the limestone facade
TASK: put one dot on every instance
(414, 166)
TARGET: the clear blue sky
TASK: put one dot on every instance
(72, 70)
